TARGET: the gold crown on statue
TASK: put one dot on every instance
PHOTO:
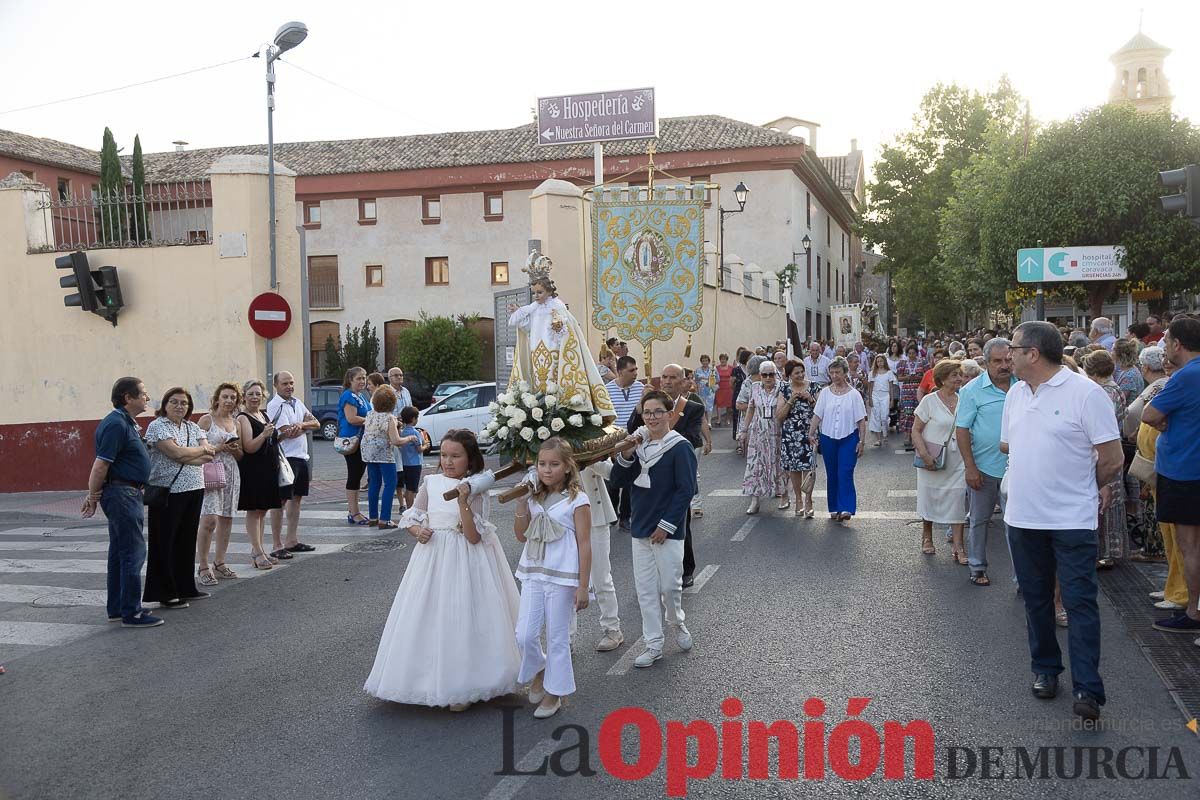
(537, 266)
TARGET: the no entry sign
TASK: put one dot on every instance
(270, 315)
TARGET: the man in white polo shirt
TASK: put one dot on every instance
(291, 419)
(1062, 441)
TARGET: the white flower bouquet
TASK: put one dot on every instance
(523, 418)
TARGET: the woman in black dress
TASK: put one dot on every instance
(259, 470)
(795, 418)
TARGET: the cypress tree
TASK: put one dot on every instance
(112, 215)
(140, 227)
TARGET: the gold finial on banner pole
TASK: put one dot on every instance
(687, 351)
(650, 362)
(650, 172)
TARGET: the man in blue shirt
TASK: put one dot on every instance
(119, 474)
(977, 432)
(1176, 412)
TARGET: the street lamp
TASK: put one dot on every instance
(289, 35)
(741, 194)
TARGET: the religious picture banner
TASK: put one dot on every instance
(647, 256)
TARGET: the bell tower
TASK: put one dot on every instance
(1140, 78)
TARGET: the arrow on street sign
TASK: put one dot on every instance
(547, 134)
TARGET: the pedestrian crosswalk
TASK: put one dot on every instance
(53, 577)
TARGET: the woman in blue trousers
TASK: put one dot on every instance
(840, 426)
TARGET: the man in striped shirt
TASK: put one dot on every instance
(626, 392)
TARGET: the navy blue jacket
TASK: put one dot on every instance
(667, 502)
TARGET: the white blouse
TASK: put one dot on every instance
(560, 563)
(840, 414)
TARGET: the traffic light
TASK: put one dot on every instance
(99, 290)
(80, 278)
(1185, 202)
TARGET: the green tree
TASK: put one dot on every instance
(112, 212)
(140, 227)
(1093, 180)
(334, 366)
(914, 180)
(441, 348)
(358, 348)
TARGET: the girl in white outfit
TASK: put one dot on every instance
(881, 381)
(448, 639)
(555, 525)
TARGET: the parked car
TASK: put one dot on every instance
(448, 388)
(465, 408)
(323, 403)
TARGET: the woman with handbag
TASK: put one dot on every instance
(259, 470)
(941, 473)
(174, 494)
(222, 483)
(353, 408)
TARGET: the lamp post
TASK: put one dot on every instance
(741, 194)
(288, 36)
(806, 245)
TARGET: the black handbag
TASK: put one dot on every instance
(156, 497)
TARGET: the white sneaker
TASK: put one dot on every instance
(753, 507)
(610, 641)
(1167, 605)
(683, 638)
(1157, 595)
(647, 658)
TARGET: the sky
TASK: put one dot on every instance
(388, 69)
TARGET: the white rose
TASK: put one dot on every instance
(551, 388)
(527, 434)
(537, 414)
(493, 407)
(509, 411)
(483, 438)
(577, 400)
(529, 400)
(596, 419)
(523, 387)
(492, 426)
(502, 433)
(551, 401)
(556, 425)
(506, 398)
(518, 416)
(576, 420)
(543, 433)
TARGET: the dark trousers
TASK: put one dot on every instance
(171, 562)
(1038, 555)
(689, 558)
(620, 501)
(126, 549)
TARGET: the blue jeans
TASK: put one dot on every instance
(126, 549)
(1038, 555)
(841, 456)
(380, 477)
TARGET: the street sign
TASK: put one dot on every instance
(1057, 264)
(270, 315)
(597, 117)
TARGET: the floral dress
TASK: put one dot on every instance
(764, 473)
(706, 387)
(1112, 537)
(908, 390)
(797, 450)
(223, 502)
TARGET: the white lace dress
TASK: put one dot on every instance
(449, 637)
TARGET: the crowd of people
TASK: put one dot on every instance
(246, 454)
(1087, 444)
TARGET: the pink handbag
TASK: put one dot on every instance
(214, 475)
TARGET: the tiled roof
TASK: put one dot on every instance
(49, 151)
(1141, 41)
(467, 148)
(844, 169)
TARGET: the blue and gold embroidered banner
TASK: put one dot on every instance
(647, 257)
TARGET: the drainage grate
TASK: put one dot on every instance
(1174, 657)
(375, 546)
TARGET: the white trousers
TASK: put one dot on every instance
(602, 582)
(551, 605)
(658, 577)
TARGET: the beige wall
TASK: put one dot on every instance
(185, 316)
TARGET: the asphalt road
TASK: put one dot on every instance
(257, 691)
